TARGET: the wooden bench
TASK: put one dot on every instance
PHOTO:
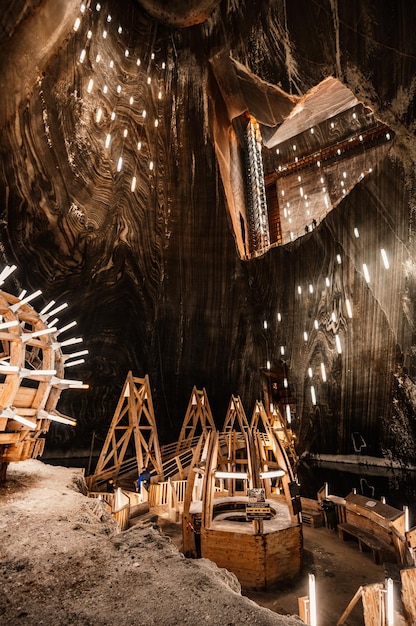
(380, 550)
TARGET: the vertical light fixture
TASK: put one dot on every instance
(312, 600)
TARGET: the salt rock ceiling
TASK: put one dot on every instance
(112, 201)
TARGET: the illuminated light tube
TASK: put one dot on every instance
(58, 309)
(312, 600)
(282, 349)
(77, 362)
(299, 289)
(104, 34)
(151, 165)
(268, 365)
(82, 56)
(107, 140)
(339, 259)
(316, 324)
(118, 88)
(310, 288)
(327, 282)
(5, 325)
(133, 183)
(61, 420)
(159, 95)
(25, 337)
(113, 116)
(89, 34)
(310, 373)
(44, 331)
(125, 132)
(5, 368)
(385, 259)
(333, 316)
(25, 373)
(156, 123)
(98, 115)
(32, 296)
(144, 113)
(323, 372)
(47, 307)
(98, 58)
(139, 145)
(236, 475)
(272, 474)
(67, 327)
(72, 341)
(406, 519)
(131, 101)
(288, 414)
(6, 272)
(73, 355)
(279, 317)
(77, 24)
(338, 344)
(313, 395)
(119, 164)
(389, 602)
(90, 85)
(348, 307)
(68, 384)
(21, 420)
(285, 383)
(305, 336)
(366, 273)
(126, 53)
(138, 62)
(265, 324)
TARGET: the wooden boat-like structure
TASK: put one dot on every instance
(242, 504)
(32, 366)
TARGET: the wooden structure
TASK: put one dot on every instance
(238, 508)
(235, 416)
(31, 376)
(376, 527)
(408, 594)
(132, 440)
(198, 419)
(373, 605)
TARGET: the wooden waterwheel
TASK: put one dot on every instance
(32, 378)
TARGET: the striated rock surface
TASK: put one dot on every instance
(111, 199)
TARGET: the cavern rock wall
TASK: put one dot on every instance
(153, 274)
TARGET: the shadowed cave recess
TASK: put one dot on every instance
(125, 191)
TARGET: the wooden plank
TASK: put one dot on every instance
(408, 578)
(372, 605)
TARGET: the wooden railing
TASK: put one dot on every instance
(118, 504)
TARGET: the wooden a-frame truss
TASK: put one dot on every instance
(198, 419)
(132, 431)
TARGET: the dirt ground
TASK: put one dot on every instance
(63, 562)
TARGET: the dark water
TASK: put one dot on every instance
(397, 486)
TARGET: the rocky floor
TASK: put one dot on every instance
(63, 562)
